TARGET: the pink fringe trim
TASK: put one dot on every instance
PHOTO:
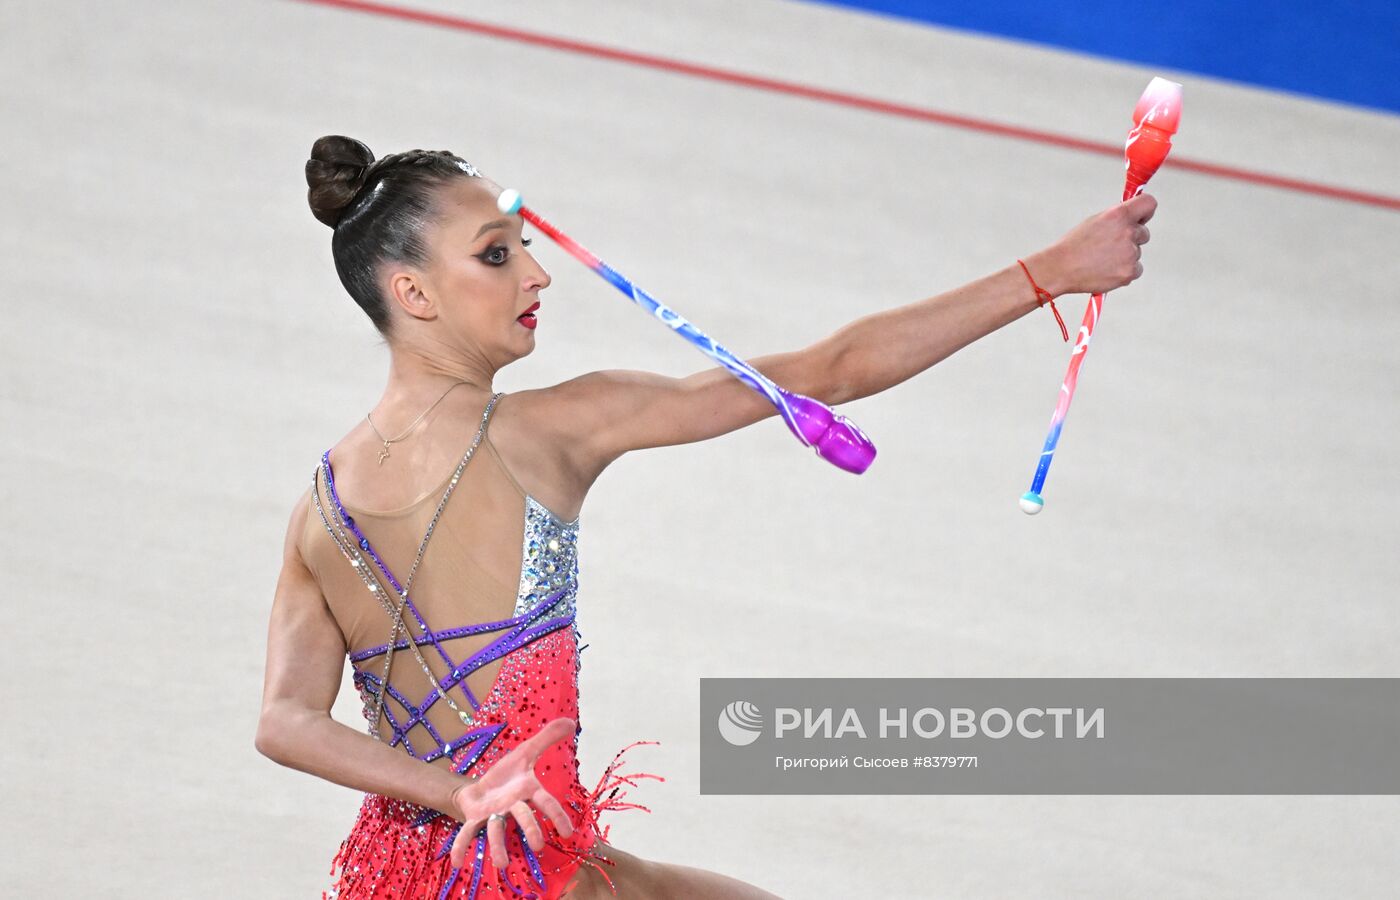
(415, 851)
(612, 782)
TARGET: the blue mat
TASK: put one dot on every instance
(1348, 51)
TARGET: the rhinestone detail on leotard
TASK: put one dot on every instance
(532, 686)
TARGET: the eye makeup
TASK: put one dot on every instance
(498, 254)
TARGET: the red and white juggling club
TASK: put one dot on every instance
(1154, 122)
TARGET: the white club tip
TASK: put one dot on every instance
(509, 202)
(1162, 87)
(1159, 105)
(1031, 505)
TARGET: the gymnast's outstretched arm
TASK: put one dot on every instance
(607, 413)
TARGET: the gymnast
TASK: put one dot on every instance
(436, 545)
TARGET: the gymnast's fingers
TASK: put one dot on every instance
(458, 853)
(1141, 207)
(547, 803)
(529, 824)
(1142, 235)
(553, 731)
(496, 838)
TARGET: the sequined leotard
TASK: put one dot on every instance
(396, 848)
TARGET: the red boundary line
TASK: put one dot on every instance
(855, 101)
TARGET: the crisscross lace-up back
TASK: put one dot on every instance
(489, 612)
(473, 555)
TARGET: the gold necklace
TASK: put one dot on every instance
(387, 441)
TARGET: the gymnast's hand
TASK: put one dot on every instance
(504, 789)
(1100, 254)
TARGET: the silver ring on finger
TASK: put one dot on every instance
(494, 816)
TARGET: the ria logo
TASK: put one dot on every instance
(740, 723)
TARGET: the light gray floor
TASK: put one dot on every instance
(177, 352)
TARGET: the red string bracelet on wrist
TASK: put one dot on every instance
(1042, 297)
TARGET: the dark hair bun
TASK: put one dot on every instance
(335, 173)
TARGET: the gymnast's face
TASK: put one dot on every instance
(480, 280)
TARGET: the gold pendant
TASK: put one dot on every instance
(383, 453)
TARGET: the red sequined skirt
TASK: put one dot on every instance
(387, 855)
